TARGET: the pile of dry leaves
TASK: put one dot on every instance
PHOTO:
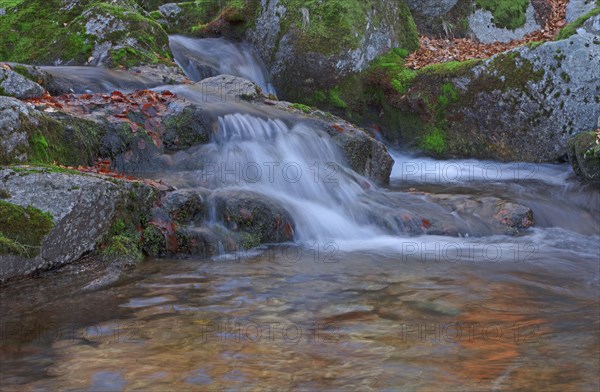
(432, 50)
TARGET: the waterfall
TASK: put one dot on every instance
(206, 57)
(298, 167)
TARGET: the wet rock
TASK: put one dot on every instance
(14, 85)
(502, 216)
(84, 208)
(161, 73)
(584, 155)
(263, 219)
(186, 205)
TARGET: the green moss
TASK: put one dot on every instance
(450, 69)
(333, 25)
(335, 100)
(434, 141)
(572, 27)
(4, 194)
(46, 31)
(124, 246)
(507, 13)
(154, 241)
(65, 140)
(39, 146)
(123, 242)
(9, 3)
(448, 95)
(534, 44)
(8, 246)
(23, 228)
(23, 71)
(249, 241)
(205, 18)
(301, 107)
(402, 80)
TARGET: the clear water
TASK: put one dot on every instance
(381, 313)
(357, 303)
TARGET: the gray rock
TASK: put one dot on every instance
(18, 86)
(577, 8)
(13, 138)
(482, 25)
(227, 87)
(83, 208)
(170, 9)
(521, 105)
(431, 8)
(564, 102)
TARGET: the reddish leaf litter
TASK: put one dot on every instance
(433, 50)
(142, 110)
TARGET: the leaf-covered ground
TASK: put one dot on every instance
(434, 50)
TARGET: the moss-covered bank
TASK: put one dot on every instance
(80, 32)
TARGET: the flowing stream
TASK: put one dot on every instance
(361, 300)
(206, 57)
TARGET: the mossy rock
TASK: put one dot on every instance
(22, 229)
(312, 46)
(509, 14)
(584, 155)
(62, 140)
(81, 32)
(154, 242)
(208, 18)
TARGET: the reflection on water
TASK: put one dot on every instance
(291, 318)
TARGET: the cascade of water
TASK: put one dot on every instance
(299, 167)
(203, 58)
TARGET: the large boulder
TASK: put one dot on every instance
(81, 32)
(520, 105)
(309, 47)
(88, 214)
